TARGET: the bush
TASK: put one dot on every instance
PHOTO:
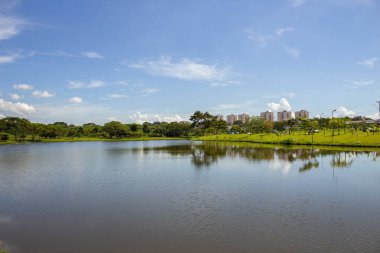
(4, 137)
(287, 142)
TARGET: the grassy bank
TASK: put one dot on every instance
(359, 139)
(87, 139)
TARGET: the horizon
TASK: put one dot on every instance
(162, 60)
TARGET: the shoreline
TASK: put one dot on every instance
(342, 140)
(238, 138)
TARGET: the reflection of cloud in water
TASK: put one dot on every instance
(5, 219)
(281, 165)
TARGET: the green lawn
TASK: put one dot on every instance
(359, 139)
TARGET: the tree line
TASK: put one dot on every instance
(200, 123)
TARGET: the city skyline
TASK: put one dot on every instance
(163, 60)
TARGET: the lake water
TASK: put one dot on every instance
(182, 196)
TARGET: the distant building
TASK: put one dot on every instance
(267, 115)
(302, 114)
(231, 119)
(284, 116)
(219, 117)
(244, 118)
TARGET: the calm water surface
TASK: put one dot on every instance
(181, 196)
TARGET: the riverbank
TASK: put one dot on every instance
(88, 139)
(359, 139)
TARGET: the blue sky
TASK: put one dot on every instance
(94, 61)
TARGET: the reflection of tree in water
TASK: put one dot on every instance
(342, 160)
(207, 153)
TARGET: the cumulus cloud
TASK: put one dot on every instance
(92, 55)
(76, 100)
(42, 94)
(19, 108)
(344, 112)
(22, 86)
(15, 96)
(89, 85)
(282, 105)
(2, 116)
(139, 117)
(370, 63)
(185, 69)
(175, 118)
(10, 26)
(373, 116)
(4, 59)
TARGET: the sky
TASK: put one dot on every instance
(83, 61)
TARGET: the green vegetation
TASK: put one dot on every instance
(202, 126)
(348, 139)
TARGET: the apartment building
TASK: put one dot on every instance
(284, 116)
(244, 118)
(231, 118)
(302, 114)
(219, 117)
(267, 115)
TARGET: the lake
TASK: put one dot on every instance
(183, 196)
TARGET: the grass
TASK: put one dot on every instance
(87, 139)
(356, 139)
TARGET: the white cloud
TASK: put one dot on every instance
(89, 85)
(373, 116)
(175, 118)
(113, 119)
(19, 108)
(139, 118)
(184, 69)
(224, 84)
(344, 112)
(246, 105)
(149, 91)
(298, 3)
(117, 96)
(2, 116)
(76, 100)
(10, 27)
(92, 55)
(360, 84)
(370, 63)
(4, 59)
(282, 105)
(42, 94)
(15, 96)
(261, 40)
(293, 52)
(280, 31)
(22, 86)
